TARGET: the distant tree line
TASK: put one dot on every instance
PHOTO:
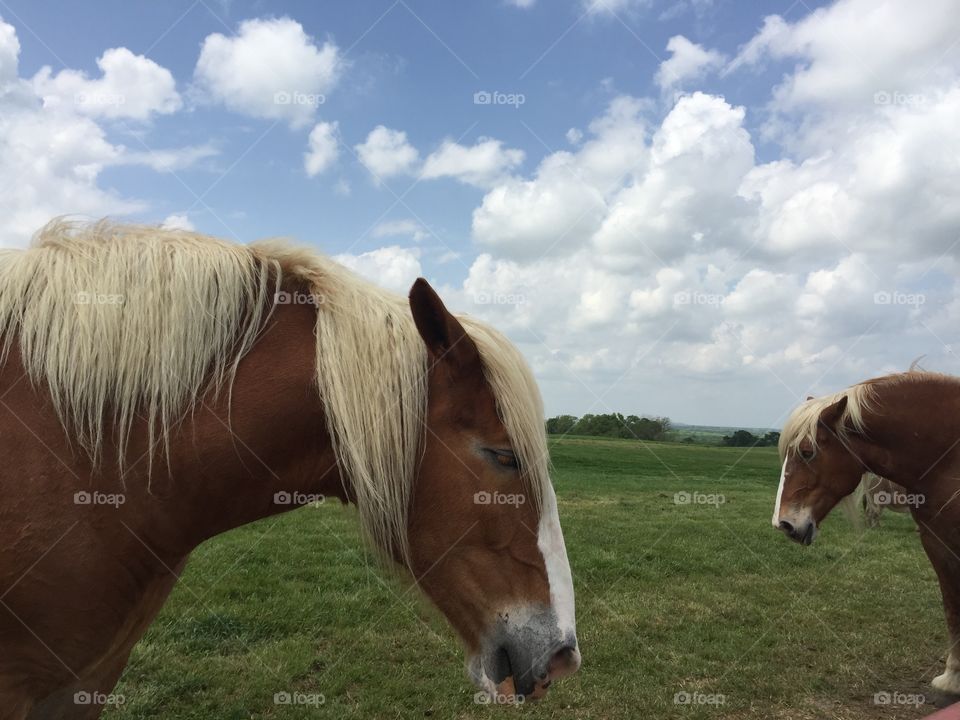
(610, 425)
(743, 438)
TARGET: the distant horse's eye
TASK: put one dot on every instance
(506, 458)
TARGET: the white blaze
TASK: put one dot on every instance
(776, 508)
(554, 551)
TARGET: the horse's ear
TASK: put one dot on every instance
(444, 336)
(830, 415)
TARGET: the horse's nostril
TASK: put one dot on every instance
(787, 527)
(565, 661)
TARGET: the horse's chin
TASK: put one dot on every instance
(502, 693)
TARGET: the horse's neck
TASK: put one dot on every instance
(913, 437)
(262, 450)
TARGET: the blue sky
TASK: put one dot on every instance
(413, 66)
(695, 210)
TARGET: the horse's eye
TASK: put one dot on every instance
(807, 454)
(506, 458)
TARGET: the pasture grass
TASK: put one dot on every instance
(704, 599)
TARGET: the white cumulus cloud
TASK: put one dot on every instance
(131, 86)
(386, 153)
(177, 222)
(844, 63)
(52, 154)
(392, 267)
(665, 248)
(323, 147)
(270, 69)
(480, 165)
(613, 7)
(687, 61)
(400, 228)
(9, 53)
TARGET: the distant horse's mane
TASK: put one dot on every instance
(121, 321)
(861, 398)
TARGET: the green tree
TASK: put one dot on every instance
(561, 425)
(771, 439)
(610, 425)
(741, 438)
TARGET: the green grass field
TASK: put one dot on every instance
(704, 599)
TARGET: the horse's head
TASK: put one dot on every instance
(485, 539)
(819, 466)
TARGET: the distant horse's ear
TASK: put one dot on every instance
(444, 336)
(831, 415)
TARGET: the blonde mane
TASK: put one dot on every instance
(861, 399)
(802, 423)
(120, 322)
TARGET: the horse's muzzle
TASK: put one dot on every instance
(531, 677)
(522, 656)
(803, 533)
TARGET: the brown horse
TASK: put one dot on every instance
(903, 427)
(160, 387)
